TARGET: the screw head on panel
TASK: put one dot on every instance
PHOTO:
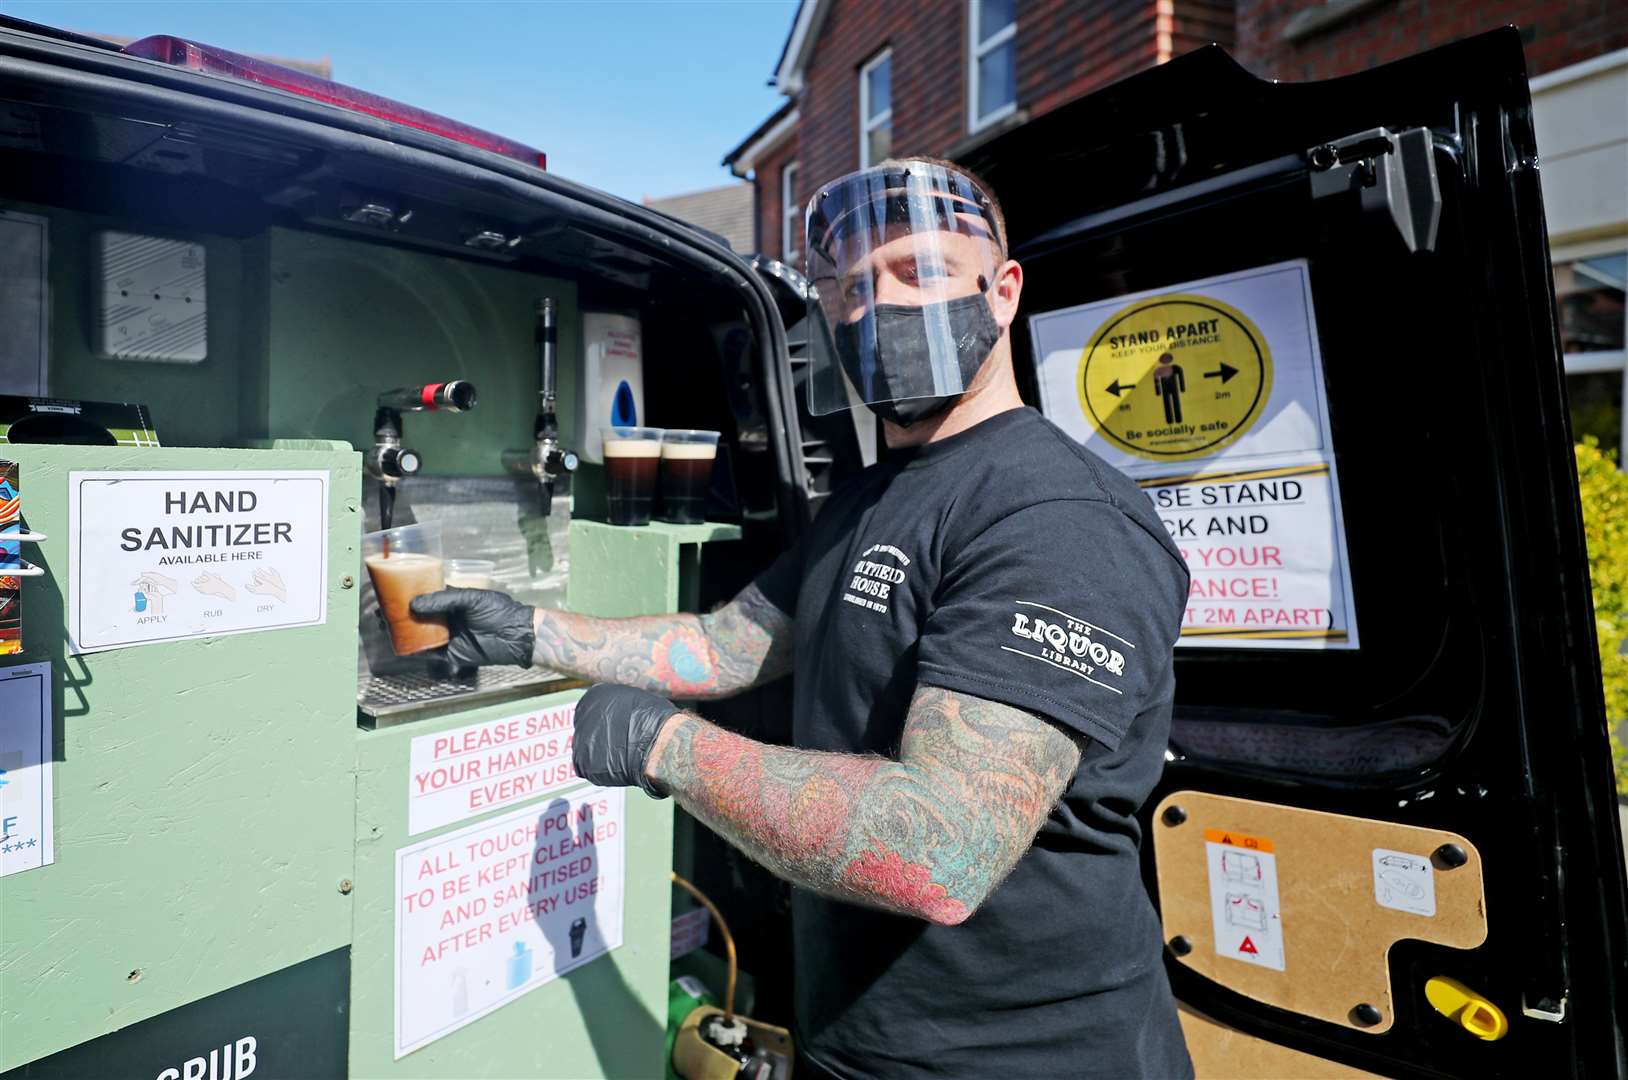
(345, 886)
(347, 582)
(1365, 1015)
(1180, 945)
(1174, 815)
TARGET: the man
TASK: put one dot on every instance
(980, 629)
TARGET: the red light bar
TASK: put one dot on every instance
(212, 61)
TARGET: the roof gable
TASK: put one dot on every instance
(799, 47)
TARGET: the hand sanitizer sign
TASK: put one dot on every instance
(492, 911)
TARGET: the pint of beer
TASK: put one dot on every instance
(405, 563)
(632, 457)
(686, 474)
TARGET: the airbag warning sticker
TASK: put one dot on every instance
(1244, 898)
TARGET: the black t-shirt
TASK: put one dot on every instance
(1010, 563)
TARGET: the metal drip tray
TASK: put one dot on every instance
(387, 700)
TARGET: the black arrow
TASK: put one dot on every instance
(1224, 372)
(1116, 389)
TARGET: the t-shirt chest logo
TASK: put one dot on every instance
(1068, 642)
(879, 571)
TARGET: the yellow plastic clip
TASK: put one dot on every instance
(1466, 1008)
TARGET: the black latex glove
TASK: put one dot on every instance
(616, 729)
(487, 627)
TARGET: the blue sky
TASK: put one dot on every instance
(639, 97)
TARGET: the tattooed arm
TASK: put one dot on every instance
(745, 643)
(928, 835)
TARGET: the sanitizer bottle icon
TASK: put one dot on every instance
(519, 965)
(141, 602)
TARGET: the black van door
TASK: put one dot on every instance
(1316, 322)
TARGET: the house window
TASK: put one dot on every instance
(1589, 291)
(791, 214)
(876, 109)
(991, 61)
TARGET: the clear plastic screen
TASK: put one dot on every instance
(900, 258)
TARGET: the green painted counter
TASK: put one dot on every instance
(205, 789)
(603, 1019)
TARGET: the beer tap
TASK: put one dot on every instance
(547, 460)
(389, 462)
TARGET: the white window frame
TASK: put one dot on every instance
(789, 213)
(977, 50)
(868, 123)
(1589, 363)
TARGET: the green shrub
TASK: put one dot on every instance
(1604, 490)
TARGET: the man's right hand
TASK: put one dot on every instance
(486, 627)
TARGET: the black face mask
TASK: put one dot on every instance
(904, 358)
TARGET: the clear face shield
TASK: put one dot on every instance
(901, 258)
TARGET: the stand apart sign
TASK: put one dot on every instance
(1210, 395)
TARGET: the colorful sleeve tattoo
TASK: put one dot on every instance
(743, 644)
(928, 835)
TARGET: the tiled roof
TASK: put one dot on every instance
(725, 210)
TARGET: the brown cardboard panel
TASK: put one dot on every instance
(1223, 1053)
(1335, 935)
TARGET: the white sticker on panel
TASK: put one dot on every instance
(27, 812)
(158, 555)
(1244, 910)
(489, 913)
(1404, 882)
(464, 772)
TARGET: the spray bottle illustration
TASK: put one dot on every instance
(460, 992)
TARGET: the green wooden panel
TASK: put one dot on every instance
(667, 558)
(174, 391)
(346, 319)
(606, 1018)
(205, 789)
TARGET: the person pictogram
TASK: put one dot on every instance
(1170, 383)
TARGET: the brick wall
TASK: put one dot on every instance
(1557, 33)
(1065, 48)
(770, 197)
(1195, 23)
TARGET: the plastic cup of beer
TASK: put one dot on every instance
(686, 474)
(470, 573)
(404, 563)
(632, 458)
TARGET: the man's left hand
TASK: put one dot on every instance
(616, 728)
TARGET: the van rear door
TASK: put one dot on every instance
(1316, 322)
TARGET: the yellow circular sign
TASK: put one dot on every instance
(1172, 378)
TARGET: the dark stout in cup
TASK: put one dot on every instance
(630, 478)
(686, 475)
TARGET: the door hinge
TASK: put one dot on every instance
(1392, 175)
